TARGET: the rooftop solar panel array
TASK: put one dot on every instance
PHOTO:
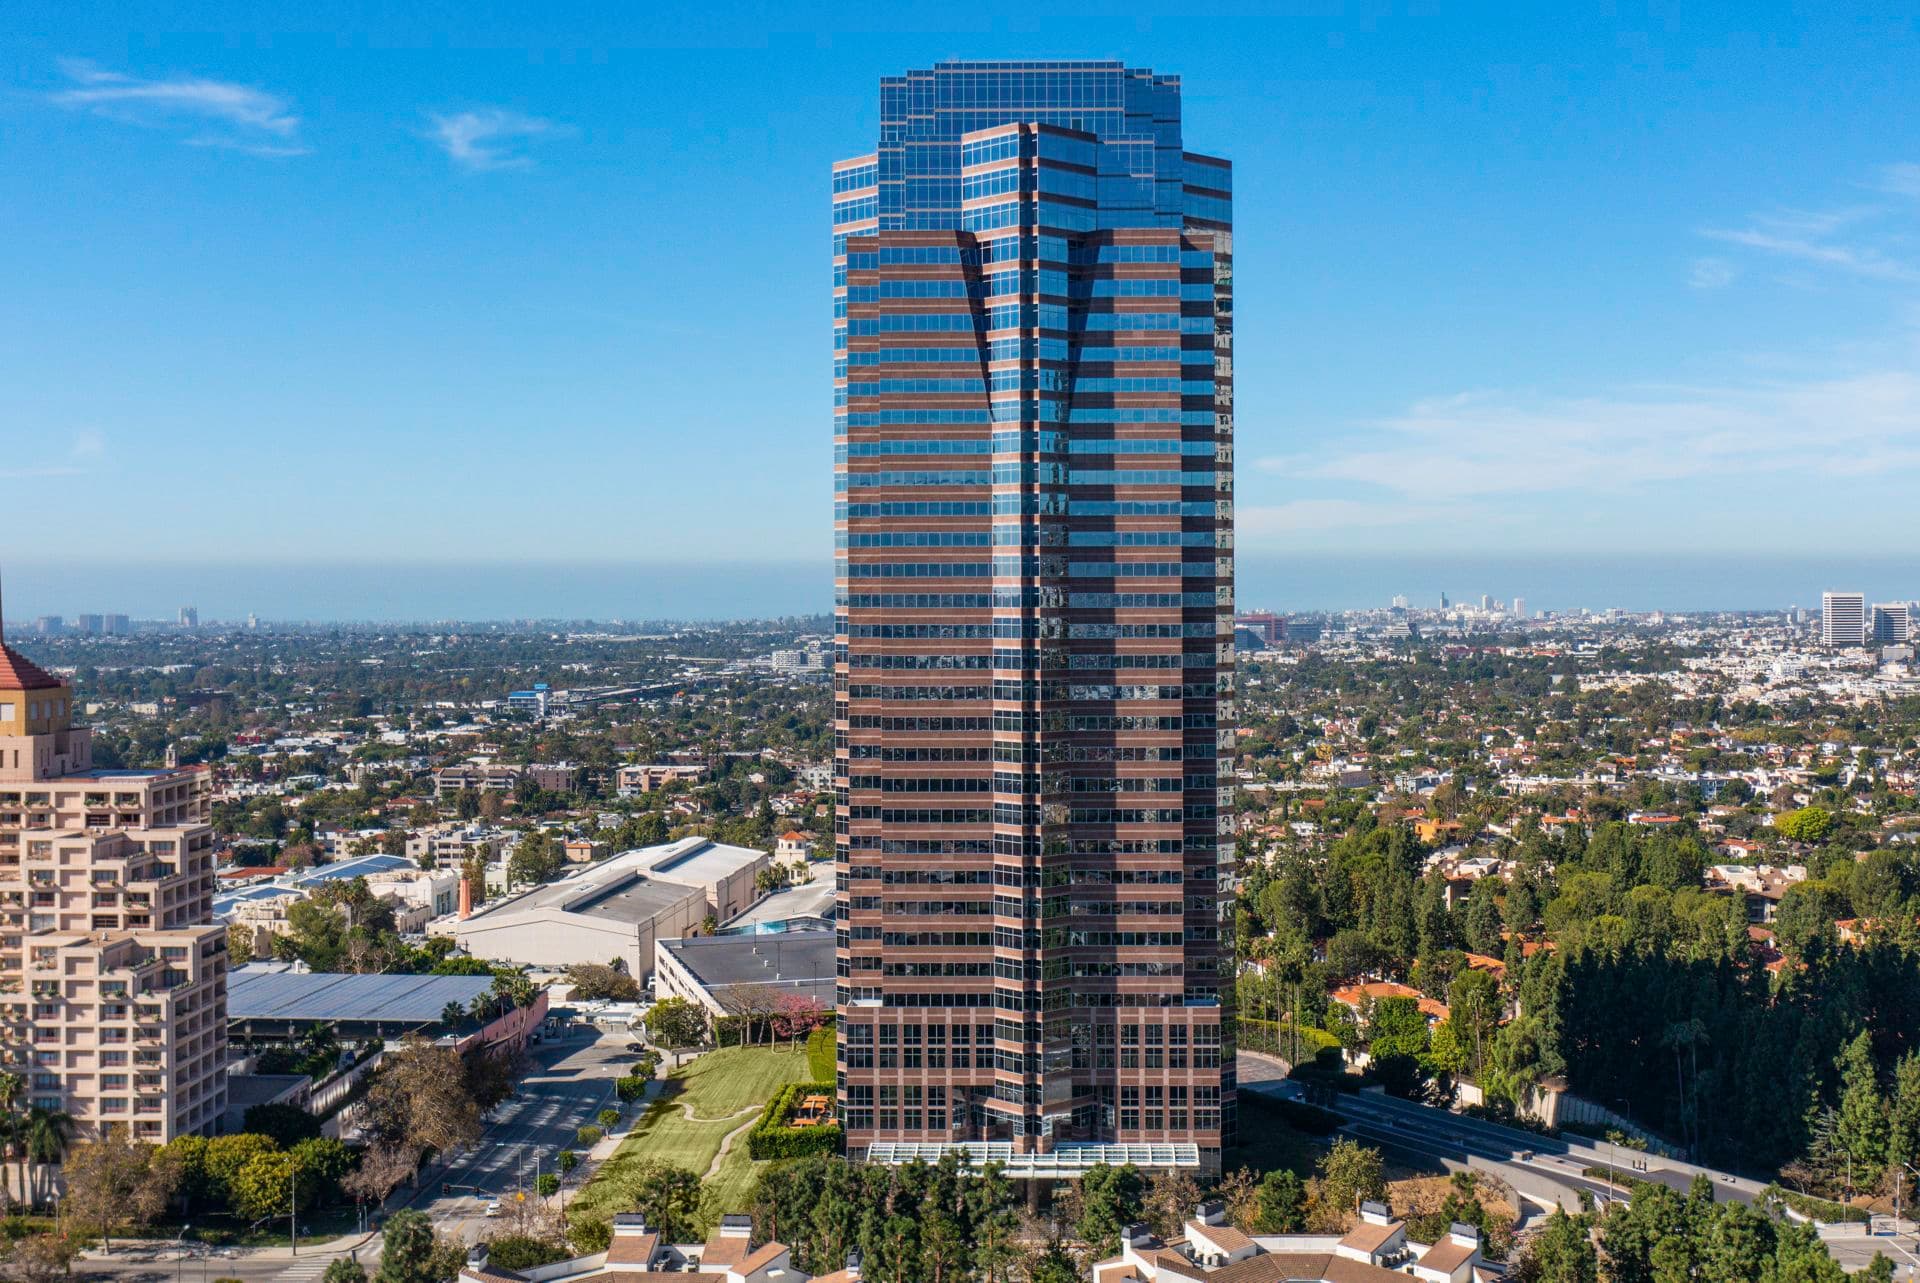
(286, 995)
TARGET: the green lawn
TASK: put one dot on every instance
(735, 1078)
(726, 1090)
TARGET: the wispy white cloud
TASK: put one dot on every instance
(201, 112)
(1854, 239)
(1475, 445)
(491, 138)
(1754, 444)
(1712, 274)
(86, 449)
(1901, 179)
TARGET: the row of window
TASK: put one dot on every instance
(916, 601)
(933, 508)
(854, 210)
(852, 180)
(1142, 600)
(1139, 477)
(950, 477)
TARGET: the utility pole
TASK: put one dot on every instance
(293, 1207)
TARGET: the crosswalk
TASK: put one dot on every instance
(304, 1271)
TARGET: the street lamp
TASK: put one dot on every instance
(180, 1241)
(1897, 1181)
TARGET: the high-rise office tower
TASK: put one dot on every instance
(1843, 619)
(1519, 607)
(189, 617)
(1034, 605)
(112, 976)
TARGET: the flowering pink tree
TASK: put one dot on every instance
(795, 1017)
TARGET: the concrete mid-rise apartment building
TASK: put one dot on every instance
(1843, 620)
(649, 776)
(451, 845)
(112, 974)
(1033, 438)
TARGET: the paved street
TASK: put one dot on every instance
(1854, 1247)
(571, 1081)
(1545, 1170)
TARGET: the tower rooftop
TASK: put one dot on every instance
(18, 673)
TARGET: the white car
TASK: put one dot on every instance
(493, 1208)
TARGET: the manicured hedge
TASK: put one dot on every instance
(1276, 1038)
(1819, 1209)
(772, 1138)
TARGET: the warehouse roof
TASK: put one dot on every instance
(696, 860)
(797, 961)
(616, 890)
(271, 994)
(357, 867)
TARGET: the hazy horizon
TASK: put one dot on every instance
(479, 591)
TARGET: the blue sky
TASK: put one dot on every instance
(299, 282)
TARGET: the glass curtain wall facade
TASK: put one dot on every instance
(1033, 452)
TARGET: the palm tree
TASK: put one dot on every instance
(11, 1085)
(453, 1015)
(47, 1134)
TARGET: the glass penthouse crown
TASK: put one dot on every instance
(1033, 452)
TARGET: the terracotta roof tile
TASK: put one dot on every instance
(632, 1249)
(18, 673)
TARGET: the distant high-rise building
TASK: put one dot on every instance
(1271, 628)
(1400, 601)
(115, 625)
(1444, 603)
(49, 625)
(1843, 619)
(1034, 609)
(1892, 622)
(113, 974)
(1519, 607)
(189, 617)
(91, 625)
(1486, 602)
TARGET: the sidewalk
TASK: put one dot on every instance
(168, 1250)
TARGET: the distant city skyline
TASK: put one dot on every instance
(224, 592)
(1548, 281)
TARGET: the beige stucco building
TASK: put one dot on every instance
(112, 976)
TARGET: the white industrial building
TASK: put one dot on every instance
(617, 909)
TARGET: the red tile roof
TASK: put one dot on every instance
(18, 673)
